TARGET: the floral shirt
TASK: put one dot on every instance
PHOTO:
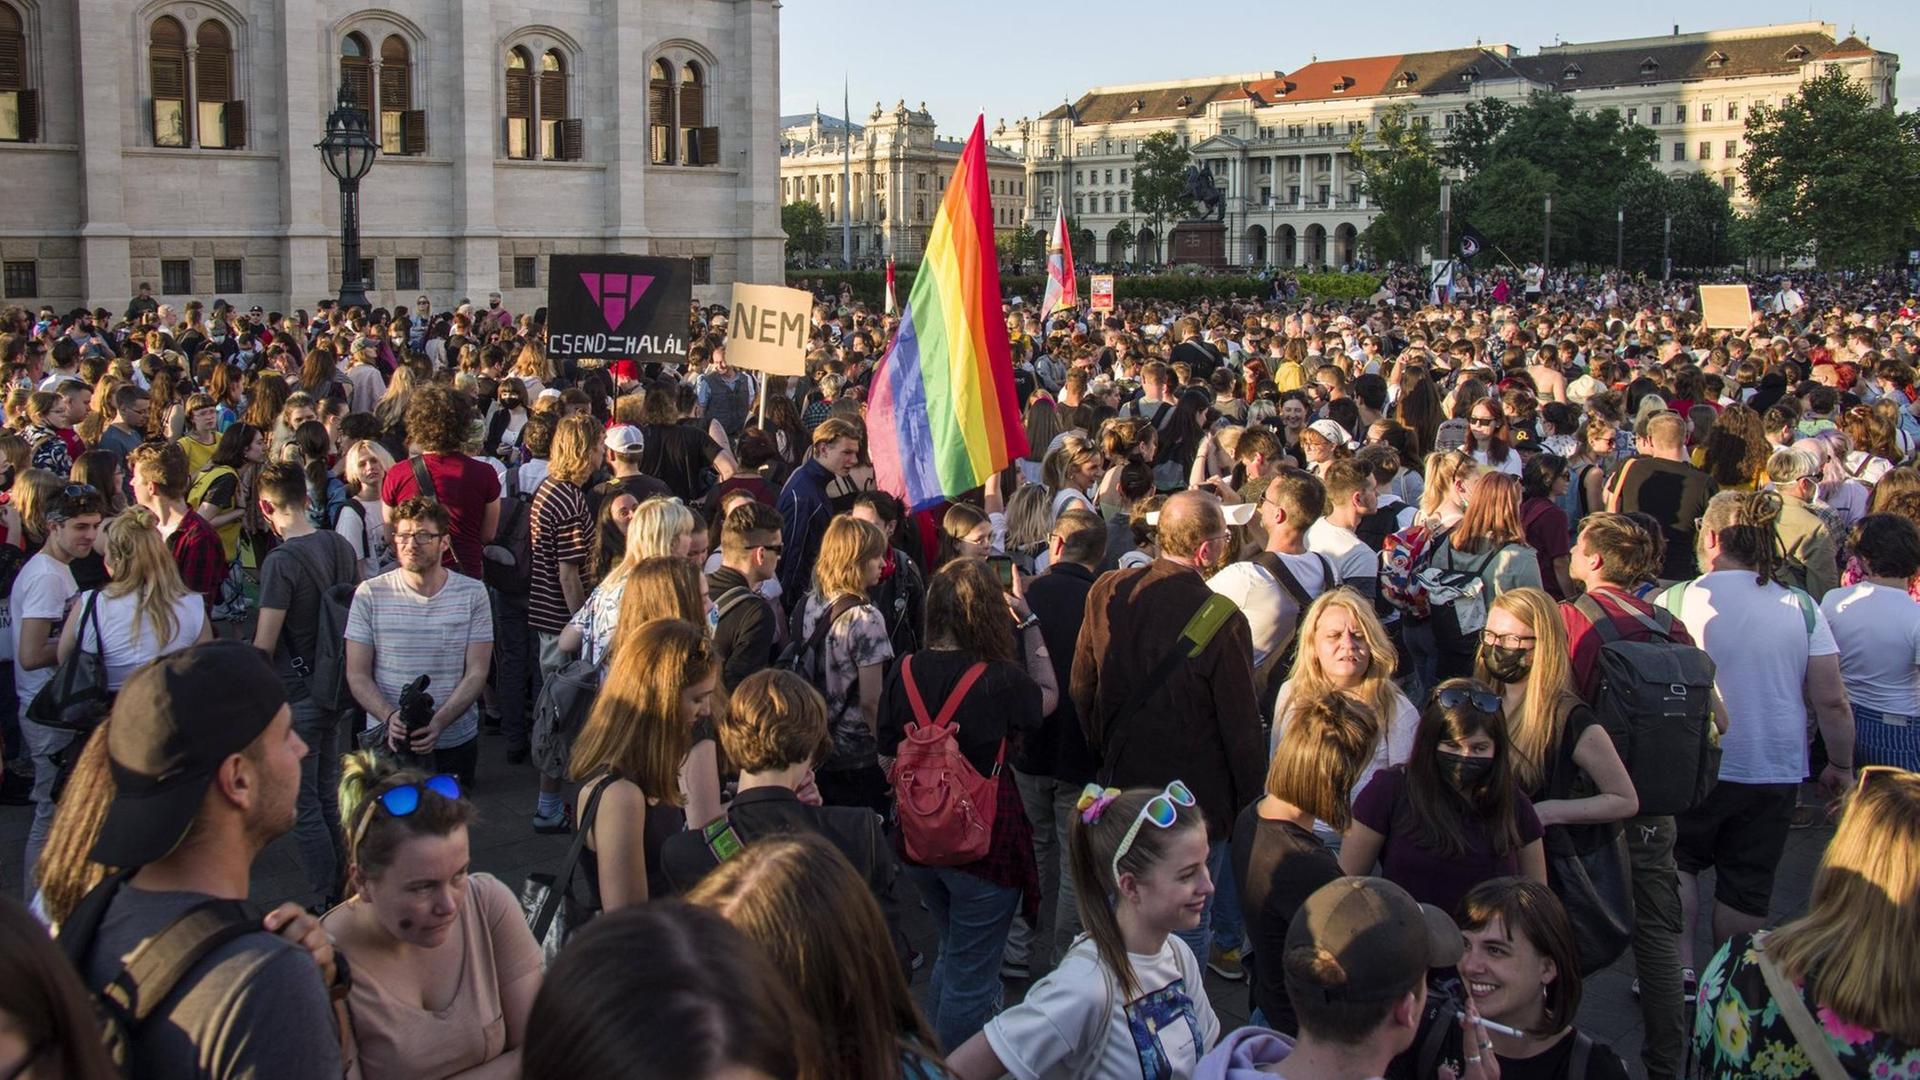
(597, 619)
(856, 640)
(1739, 1032)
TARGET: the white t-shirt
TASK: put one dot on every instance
(128, 636)
(1270, 609)
(1352, 559)
(1511, 466)
(40, 591)
(1073, 1024)
(1878, 632)
(1758, 638)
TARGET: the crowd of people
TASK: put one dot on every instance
(1408, 661)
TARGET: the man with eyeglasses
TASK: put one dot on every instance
(749, 554)
(422, 619)
(38, 607)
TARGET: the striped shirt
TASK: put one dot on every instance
(414, 635)
(561, 531)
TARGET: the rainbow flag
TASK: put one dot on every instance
(941, 412)
(1062, 290)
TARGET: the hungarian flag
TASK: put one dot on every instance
(1062, 290)
(893, 302)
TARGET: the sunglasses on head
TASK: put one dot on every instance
(402, 800)
(1455, 696)
(1161, 811)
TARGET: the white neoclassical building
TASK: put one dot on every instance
(173, 142)
(1277, 142)
(894, 173)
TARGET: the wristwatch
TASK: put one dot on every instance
(1027, 623)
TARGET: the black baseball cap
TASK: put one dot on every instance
(173, 724)
(1359, 939)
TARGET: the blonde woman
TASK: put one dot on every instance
(659, 526)
(1443, 501)
(1028, 523)
(16, 457)
(1072, 471)
(145, 612)
(848, 651)
(391, 409)
(1344, 650)
(1554, 735)
(363, 520)
(1848, 962)
(534, 370)
(1488, 542)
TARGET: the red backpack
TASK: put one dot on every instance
(946, 808)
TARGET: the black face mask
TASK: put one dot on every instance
(1509, 665)
(1465, 773)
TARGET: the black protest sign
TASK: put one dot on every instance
(618, 307)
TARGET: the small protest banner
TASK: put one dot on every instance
(767, 328)
(1728, 306)
(1100, 293)
(618, 307)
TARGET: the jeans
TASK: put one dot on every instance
(510, 676)
(317, 825)
(1885, 739)
(43, 745)
(1049, 804)
(1220, 923)
(1656, 944)
(973, 916)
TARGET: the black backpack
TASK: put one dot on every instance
(509, 555)
(807, 656)
(1655, 699)
(148, 976)
(326, 670)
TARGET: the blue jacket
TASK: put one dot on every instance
(805, 511)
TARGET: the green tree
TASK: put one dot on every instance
(1470, 142)
(805, 226)
(1400, 172)
(1022, 247)
(1546, 148)
(1704, 232)
(1160, 183)
(1840, 172)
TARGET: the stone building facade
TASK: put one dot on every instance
(1277, 143)
(900, 168)
(173, 142)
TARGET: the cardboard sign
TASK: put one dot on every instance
(1728, 306)
(1100, 294)
(618, 307)
(768, 327)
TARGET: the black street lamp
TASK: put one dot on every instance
(348, 151)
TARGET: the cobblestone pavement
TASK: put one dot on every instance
(505, 845)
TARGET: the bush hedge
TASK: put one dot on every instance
(871, 285)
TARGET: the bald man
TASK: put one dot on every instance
(1197, 722)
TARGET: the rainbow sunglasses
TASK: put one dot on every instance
(1161, 811)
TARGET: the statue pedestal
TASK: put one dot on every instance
(1201, 243)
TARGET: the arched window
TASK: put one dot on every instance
(19, 105)
(167, 69)
(699, 140)
(356, 74)
(519, 104)
(222, 120)
(553, 107)
(403, 129)
(660, 126)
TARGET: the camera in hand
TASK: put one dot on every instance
(416, 713)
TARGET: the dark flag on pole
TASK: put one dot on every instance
(1471, 243)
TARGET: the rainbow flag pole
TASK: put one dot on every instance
(942, 414)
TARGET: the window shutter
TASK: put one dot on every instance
(169, 73)
(235, 114)
(660, 121)
(356, 77)
(211, 74)
(29, 116)
(706, 146)
(693, 105)
(553, 95)
(572, 139)
(519, 94)
(394, 87)
(413, 131)
(13, 59)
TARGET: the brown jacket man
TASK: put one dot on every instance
(1201, 725)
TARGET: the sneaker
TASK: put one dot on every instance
(556, 824)
(1226, 963)
(916, 959)
(1689, 986)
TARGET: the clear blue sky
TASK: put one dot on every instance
(1013, 58)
